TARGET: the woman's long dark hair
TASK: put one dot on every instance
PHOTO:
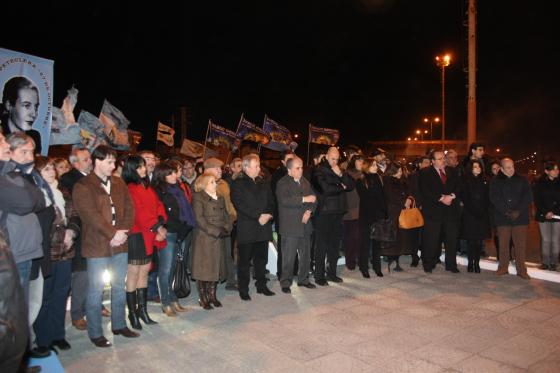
(468, 171)
(130, 167)
(160, 172)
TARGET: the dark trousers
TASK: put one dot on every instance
(292, 246)
(258, 251)
(431, 243)
(351, 242)
(49, 325)
(327, 237)
(368, 245)
(474, 248)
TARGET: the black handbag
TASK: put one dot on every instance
(384, 231)
(181, 284)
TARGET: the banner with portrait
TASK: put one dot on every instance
(280, 136)
(27, 93)
(323, 136)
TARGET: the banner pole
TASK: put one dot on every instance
(308, 141)
(206, 139)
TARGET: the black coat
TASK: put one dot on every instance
(396, 192)
(475, 224)
(547, 198)
(252, 198)
(67, 182)
(330, 190)
(510, 194)
(173, 223)
(372, 199)
(432, 188)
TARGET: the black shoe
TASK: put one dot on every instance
(476, 267)
(62, 344)
(40, 352)
(53, 349)
(453, 270)
(427, 270)
(265, 291)
(286, 290)
(309, 285)
(544, 266)
(101, 342)
(244, 296)
(379, 273)
(321, 282)
(334, 278)
(398, 268)
(125, 332)
(552, 267)
(415, 261)
(365, 274)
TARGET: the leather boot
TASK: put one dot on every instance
(131, 302)
(143, 306)
(470, 266)
(212, 294)
(202, 295)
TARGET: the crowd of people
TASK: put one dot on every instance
(66, 221)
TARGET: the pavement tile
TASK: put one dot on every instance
(521, 351)
(338, 362)
(444, 356)
(479, 364)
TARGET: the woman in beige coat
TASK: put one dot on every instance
(213, 225)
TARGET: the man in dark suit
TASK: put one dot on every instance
(439, 187)
(296, 202)
(253, 201)
(80, 159)
(331, 185)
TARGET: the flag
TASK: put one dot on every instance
(111, 117)
(91, 130)
(69, 104)
(220, 137)
(116, 126)
(220, 142)
(63, 132)
(247, 131)
(324, 136)
(280, 136)
(192, 149)
(165, 134)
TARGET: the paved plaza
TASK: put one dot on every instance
(403, 322)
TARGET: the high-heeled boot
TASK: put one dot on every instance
(203, 295)
(398, 267)
(212, 294)
(131, 302)
(143, 306)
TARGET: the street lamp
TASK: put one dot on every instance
(431, 121)
(443, 62)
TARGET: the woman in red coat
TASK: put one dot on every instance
(148, 232)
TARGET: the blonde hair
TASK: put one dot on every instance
(203, 180)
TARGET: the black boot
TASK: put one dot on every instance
(203, 296)
(398, 267)
(143, 306)
(131, 302)
(212, 294)
(476, 265)
(470, 266)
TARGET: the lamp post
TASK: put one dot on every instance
(431, 120)
(443, 62)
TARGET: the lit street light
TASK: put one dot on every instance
(443, 62)
(431, 121)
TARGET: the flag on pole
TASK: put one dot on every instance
(165, 134)
(91, 130)
(324, 136)
(115, 124)
(247, 131)
(63, 132)
(220, 142)
(280, 136)
(192, 149)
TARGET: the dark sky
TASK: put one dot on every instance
(363, 66)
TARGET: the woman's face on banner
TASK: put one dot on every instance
(24, 111)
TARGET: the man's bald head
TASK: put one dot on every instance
(508, 167)
(333, 156)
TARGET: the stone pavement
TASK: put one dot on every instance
(403, 322)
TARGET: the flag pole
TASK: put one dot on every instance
(308, 141)
(206, 139)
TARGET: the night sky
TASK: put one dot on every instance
(364, 66)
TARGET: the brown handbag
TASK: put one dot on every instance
(411, 218)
